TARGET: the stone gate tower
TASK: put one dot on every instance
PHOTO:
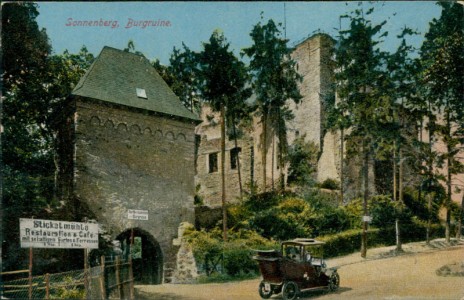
(126, 142)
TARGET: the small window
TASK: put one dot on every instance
(234, 157)
(141, 93)
(213, 162)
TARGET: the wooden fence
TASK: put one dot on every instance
(111, 279)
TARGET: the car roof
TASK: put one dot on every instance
(304, 242)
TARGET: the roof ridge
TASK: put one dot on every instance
(115, 75)
(125, 52)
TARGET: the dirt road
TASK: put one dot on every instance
(410, 276)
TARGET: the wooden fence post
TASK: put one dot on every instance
(102, 278)
(131, 279)
(30, 272)
(131, 275)
(47, 286)
(86, 275)
(118, 279)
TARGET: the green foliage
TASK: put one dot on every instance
(233, 257)
(238, 216)
(222, 80)
(330, 184)
(330, 220)
(34, 87)
(198, 200)
(285, 221)
(346, 242)
(354, 210)
(262, 201)
(442, 59)
(349, 241)
(286, 216)
(183, 81)
(302, 157)
(237, 259)
(23, 43)
(222, 76)
(419, 206)
(384, 211)
(327, 216)
(68, 290)
(274, 76)
(277, 216)
(274, 82)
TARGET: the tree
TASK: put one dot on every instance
(27, 169)
(27, 181)
(302, 157)
(64, 72)
(35, 87)
(222, 83)
(403, 90)
(238, 115)
(184, 69)
(274, 82)
(442, 55)
(360, 78)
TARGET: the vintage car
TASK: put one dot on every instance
(298, 267)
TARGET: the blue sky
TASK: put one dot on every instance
(193, 22)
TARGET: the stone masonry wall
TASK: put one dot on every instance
(312, 57)
(129, 160)
(209, 183)
(308, 112)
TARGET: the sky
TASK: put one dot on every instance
(193, 23)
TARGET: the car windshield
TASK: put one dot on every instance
(292, 251)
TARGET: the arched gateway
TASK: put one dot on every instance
(119, 150)
(147, 257)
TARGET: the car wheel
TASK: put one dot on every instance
(265, 294)
(334, 281)
(290, 291)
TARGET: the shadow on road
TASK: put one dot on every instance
(316, 294)
(140, 295)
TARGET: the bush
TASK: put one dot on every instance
(343, 243)
(329, 221)
(327, 216)
(330, 184)
(238, 259)
(263, 201)
(350, 241)
(68, 290)
(289, 219)
(220, 260)
(381, 208)
(302, 157)
(238, 217)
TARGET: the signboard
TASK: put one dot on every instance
(37, 233)
(137, 214)
(367, 219)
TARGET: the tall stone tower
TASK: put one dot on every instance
(313, 56)
(127, 143)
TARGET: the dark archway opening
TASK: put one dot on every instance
(147, 258)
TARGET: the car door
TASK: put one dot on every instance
(311, 278)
